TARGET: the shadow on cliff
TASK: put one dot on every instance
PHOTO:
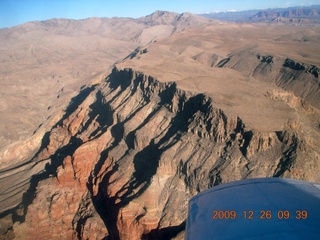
(50, 170)
(75, 103)
(289, 155)
(164, 233)
(145, 163)
(101, 113)
(57, 158)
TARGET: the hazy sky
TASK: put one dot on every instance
(14, 12)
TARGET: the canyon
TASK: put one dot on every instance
(115, 130)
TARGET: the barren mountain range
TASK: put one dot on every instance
(302, 13)
(307, 15)
(110, 126)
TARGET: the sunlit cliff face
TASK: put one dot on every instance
(194, 107)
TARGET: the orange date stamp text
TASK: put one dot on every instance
(261, 214)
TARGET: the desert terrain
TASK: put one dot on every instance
(110, 126)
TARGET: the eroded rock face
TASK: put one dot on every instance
(291, 75)
(128, 154)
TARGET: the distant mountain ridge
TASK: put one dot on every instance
(171, 18)
(305, 13)
(92, 23)
(231, 16)
(267, 15)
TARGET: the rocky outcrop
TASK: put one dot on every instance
(300, 78)
(127, 155)
(302, 67)
(124, 156)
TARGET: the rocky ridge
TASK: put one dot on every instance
(132, 137)
(307, 15)
(128, 151)
(44, 64)
(301, 13)
(284, 72)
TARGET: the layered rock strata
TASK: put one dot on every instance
(127, 155)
